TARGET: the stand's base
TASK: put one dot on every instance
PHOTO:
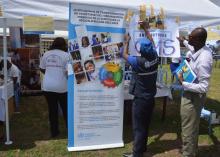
(8, 142)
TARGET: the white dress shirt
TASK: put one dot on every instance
(201, 63)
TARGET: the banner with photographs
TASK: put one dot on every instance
(95, 88)
(164, 31)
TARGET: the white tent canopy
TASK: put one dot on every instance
(203, 12)
(216, 2)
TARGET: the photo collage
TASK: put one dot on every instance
(88, 52)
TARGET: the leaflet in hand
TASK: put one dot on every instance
(188, 74)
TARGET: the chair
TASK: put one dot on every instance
(207, 115)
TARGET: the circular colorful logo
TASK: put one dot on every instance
(111, 74)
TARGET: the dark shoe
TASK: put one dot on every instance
(54, 135)
(127, 155)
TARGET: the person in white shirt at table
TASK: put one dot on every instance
(194, 93)
(15, 74)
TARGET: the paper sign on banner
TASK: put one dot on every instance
(165, 39)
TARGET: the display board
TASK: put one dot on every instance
(95, 87)
(163, 30)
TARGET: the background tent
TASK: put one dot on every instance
(216, 2)
(202, 11)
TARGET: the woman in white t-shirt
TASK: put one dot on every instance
(53, 65)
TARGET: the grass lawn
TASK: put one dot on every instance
(30, 132)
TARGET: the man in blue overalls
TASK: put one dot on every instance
(143, 87)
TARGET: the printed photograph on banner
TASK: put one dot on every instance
(97, 52)
(75, 55)
(112, 51)
(73, 45)
(105, 37)
(120, 50)
(86, 53)
(95, 40)
(77, 67)
(85, 41)
(82, 36)
(100, 38)
(91, 71)
(80, 78)
(109, 53)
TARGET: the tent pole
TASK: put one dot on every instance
(7, 142)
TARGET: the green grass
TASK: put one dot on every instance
(30, 132)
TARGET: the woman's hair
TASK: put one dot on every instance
(59, 43)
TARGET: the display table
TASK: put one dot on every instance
(163, 91)
(10, 95)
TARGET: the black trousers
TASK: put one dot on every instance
(54, 99)
(142, 109)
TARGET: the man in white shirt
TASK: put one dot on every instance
(15, 74)
(195, 93)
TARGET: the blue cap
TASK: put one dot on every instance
(146, 48)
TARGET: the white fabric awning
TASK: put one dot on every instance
(205, 13)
